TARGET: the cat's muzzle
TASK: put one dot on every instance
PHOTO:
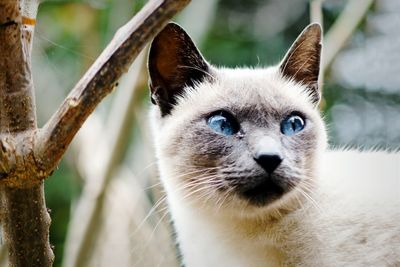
(261, 190)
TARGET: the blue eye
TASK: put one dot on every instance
(292, 125)
(223, 123)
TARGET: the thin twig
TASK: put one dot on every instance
(198, 23)
(343, 28)
(83, 231)
(101, 78)
(316, 11)
(3, 254)
(316, 15)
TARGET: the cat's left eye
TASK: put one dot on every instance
(292, 125)
(223, 122)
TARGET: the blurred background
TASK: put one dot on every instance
(107, 206)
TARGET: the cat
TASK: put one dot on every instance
(242, 154)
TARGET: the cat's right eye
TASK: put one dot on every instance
(223, 122)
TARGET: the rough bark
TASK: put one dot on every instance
(24, 216)
(26, 226)
(29, 155)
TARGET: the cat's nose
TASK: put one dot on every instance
(268, 161)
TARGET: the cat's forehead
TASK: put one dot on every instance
(245, 89)
(250, 85)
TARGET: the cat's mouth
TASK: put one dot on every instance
(261, 192)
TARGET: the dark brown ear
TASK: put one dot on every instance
(174, 63)
(302, 61)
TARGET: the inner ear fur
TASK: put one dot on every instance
(302, 62)
(174, 63)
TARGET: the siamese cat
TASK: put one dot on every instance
(242, 154)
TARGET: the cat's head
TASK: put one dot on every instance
(240, 137)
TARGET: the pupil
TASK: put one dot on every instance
(223, 123)
(292, 125)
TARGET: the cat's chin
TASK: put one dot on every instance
(264, 192)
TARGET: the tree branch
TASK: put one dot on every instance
(16, 96)
(84, 226)
(342, 29)
(28, 156)
(316, 15)
(26, 227)
(24, 216)
(101, 78)
(316, 11)
(3, 255)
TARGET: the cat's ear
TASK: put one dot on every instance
(174, 63)
(302, 61)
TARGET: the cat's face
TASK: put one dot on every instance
(229, 139)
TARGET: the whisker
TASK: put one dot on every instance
(154, 207)
(312, 201)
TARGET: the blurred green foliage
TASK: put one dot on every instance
(61, 189)
(69, 36)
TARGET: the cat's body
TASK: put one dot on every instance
(247, 190)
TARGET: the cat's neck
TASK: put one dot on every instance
(242, 241)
